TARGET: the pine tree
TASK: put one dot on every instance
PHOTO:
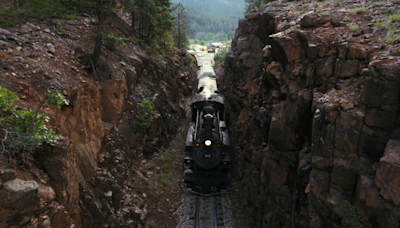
(181, 30)
(104, 9)
(150, 18)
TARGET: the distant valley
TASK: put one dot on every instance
(212, 20)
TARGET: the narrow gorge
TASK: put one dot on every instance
(312, 101)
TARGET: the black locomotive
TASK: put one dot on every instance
(207, 158)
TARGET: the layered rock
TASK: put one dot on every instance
(314, 116)
(87, 180)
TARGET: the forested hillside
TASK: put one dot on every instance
(213, 20)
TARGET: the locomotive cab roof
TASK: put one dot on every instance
(213, 98)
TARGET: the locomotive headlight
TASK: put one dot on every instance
(207, 143)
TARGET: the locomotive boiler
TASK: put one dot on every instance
(207, 157)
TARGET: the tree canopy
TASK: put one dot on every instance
(181, 30)
(212, 20)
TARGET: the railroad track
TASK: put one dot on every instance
(198, 211)
(208, 212)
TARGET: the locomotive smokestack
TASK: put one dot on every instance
(208, 126)
(208, 121)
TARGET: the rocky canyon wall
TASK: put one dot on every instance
(314, 115)
(88, 179)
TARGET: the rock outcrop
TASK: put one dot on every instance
(88, 180)
(314, 115)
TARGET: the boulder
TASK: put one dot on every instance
(50, 48)
(347, 134)
(7, 175)
(389, 70)
(346, 68)
(343, 177)
(308, 20)
(373, 142)
(335, 19)
(356, 51)
(5, 32)
(377, 93)
(379, 118)
(19, 199)
(388, 175)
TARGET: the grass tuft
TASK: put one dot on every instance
(394, 17)
(354, 27)
(359, 10)
(378, 4)
(393, 27)
(165, 170)
(392, 38)
(350, 210)
(378, 24)
(154, 224)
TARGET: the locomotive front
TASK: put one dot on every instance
(207, 152)
(207, 155)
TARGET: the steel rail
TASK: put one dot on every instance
(215, 213)
(198, 212)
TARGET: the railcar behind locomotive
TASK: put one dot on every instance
(207, 156)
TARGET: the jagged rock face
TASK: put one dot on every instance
(88, 179)
(314, 121)
(105, 143)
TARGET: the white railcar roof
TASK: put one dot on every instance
(206, 71)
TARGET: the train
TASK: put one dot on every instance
(207, 146)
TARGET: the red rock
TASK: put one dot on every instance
(356, 51)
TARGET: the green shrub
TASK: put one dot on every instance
(43, 9)
(359, 10)
(111, 42)
(165, 170)
(154, 224)
(378, 24)
(350, 210)
(21, 122)
(354, 27)
(7, 15)
(191, 58)
(394, 17)
(220, 56)
(393, 27)
(7, 99)
(56, 99)
(26, 129)
(147, 110)
(360, 167)
(392, 38)
(378, 4)
(5, 24)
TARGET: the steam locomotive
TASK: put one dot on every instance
(207, 158)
